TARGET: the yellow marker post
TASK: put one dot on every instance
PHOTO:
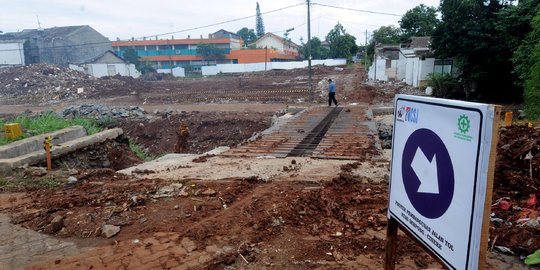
(47, 145)
(12, 130)
(508, 118)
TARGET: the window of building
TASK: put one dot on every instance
(443, 66)
(164, 47)
(181, 46)
(139, 48)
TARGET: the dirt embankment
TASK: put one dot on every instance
(207, 130)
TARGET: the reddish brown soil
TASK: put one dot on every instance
(343, 216)
(305, 220)
(50, 84)
(207, 130)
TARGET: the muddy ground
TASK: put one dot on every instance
(337, 221)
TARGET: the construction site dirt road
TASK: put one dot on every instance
(269, 181)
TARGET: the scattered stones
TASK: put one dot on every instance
(101, 112)
(188, 244)
(109, 231)
(56, 225)
(72, 180)
(36, 171)
(209, 192)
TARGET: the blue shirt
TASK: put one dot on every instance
(332, 87)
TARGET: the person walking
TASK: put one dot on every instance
(331, 92)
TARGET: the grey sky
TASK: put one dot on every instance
(128, 18)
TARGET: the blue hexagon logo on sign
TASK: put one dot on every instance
(428, 174)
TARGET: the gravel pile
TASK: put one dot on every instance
(101, 112)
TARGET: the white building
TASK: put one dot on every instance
(12, 53)
(107, 64)
(272, 41)
(413, 64)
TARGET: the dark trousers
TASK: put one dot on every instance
(332, 97)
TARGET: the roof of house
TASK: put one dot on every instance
(172, 41)
(92, 60)
(45, 33)
(420, 42)
(223, 33)
(292, 44)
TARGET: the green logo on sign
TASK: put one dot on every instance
(464, 124)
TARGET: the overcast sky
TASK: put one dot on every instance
(129, 18)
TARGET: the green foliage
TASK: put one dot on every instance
(135, 148)
(442, 84)
(532, 85)
(342, 45)
(317, 50)
(419, 21)
(145, 67)
(533, 258)
(383, 35)
(248, 35)
(468, 34)
(49, 122)
(210, 52)
(48, 182)
(259, 24)
(130, 55)
(515, 24)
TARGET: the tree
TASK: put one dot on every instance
(317, 50)
(468, 34)
(259, 24)
(210, 52)
(384, 35)
(532, 84)
(342, 45)
(130, 55)
(248, 35)
(419, 21)
(514, 23)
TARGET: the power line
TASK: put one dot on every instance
(358, 10)
(220, 23)
(163, 34)
(213, 24)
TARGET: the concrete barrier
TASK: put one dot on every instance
(35, 143)
(8, 164)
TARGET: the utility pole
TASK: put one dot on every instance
(309, 52)
(366, 39)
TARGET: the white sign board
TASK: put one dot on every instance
(440, 157)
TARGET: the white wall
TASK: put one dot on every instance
(401, 68)
(241, 68)
(426, 67)
(101, 70)
(11, 53)
(377, 71)
(176, 72)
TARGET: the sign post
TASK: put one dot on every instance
(443, 156)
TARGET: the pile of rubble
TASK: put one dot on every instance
(48, 84)
(515, 213)
(101, 112)
(396, 87)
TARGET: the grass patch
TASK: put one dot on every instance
(48, 182)
(136, 148)
(49, 122)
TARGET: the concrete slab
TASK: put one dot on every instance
(8, 164)
(35, 143)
